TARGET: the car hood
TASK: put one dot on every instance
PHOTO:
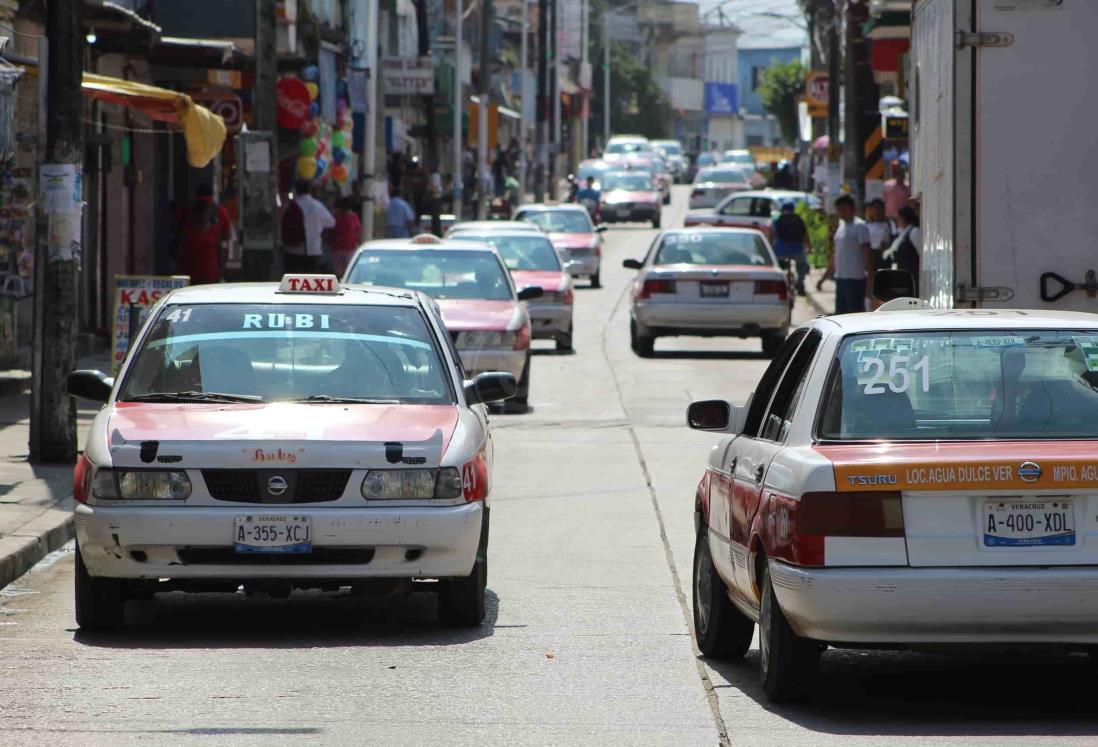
(461, 315)
(623, 195)
(549, 281)
(277, 434)
(573, 240)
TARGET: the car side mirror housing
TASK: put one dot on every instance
(600, 228)
(716, 416)
(530, 293)
(892, 284)
(632, 264)
(88, 384)
(493, 386)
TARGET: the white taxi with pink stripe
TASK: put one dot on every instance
(281, 436)
(904, 479)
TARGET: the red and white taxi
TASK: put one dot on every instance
(751, 209)
(630, 196)
(902, 479)
(573, 234)
(485, 314)
(278, 436)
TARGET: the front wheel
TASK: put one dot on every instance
(100, 602)
(461, 600)
(722, 630)
(789, 664)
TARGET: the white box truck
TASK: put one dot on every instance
(1004, 104)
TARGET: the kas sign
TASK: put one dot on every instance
(721, 98)
(408, 76)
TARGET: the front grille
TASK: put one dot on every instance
(243, 485)
(318, 556)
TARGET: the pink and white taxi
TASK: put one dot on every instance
(904, 479)
(573, 234)
(280, 436)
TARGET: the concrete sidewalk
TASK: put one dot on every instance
(35, 499)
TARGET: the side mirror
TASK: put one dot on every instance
(600, 228)
(530, 292)
(716, 416)
(93, 385)
(490, 387)
(632, 264)
(892, 284)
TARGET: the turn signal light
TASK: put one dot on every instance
(81, 479)
(569, 297)
(522, 338)
(777, 288)
(656, 285)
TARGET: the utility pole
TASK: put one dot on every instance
(483, 106)
(852, 152)
(459, 107)
(423, 39)
(369, 153)
(833, 101)
(524, 122)
(554, 93)
(585, 130)
(541, 167)
(261, 260)
(57, 264)
(605, 78)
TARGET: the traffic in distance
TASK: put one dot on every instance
(906, 478)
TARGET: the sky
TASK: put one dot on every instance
(761, 29)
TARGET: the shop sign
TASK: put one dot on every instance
(226, 106)
(134, 295)
(895, 127)
(817, 91)
(408, 76)
(293, 102)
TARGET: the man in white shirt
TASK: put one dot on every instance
(851, 263)
(306, 256)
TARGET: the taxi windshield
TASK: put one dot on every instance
(994, 384)
(440, 273)
(630, 182)
(715, 248)
(533, 252)
(300, 352)
(559, 221)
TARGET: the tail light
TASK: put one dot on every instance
(798, 529)
(81, 479)
(522, 337)
(656, 285)
(568, 297)
(778, 288)
(697, 193)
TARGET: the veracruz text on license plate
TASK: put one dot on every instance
(272, 533)
(1021, 523)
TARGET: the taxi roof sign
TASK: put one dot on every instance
(302, 283)
(426, 238)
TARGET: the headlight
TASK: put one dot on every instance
(141, 485)
(485, 339)
(412, 484)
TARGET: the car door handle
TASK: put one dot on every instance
(760, 472)
(732, 466)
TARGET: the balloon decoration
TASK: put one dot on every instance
(324, 150)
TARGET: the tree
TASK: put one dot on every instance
(781, 85)
(637, 104)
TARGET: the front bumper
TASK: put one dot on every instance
(637, 211)
(940, 605)
(483, 360)
(549, 320)
(712, 316)
(154, 542)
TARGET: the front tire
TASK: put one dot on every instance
(788, 664)
(100, 602)
(461, 600)
(722, 631)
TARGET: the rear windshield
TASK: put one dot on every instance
(633, 146)
(595, 170)
(725, 176)
(288, 352)
(712, 248)
(631, 182)
(559, 221)
(671, 149)
(1019, 384)
(533, 252)
(440, 273)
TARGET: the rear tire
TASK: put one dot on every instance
(643, 345)
(596, 281)
(788, 664)
(722, 631)
(772, 342)
(521, 401)
(461, 600)
(100, 602)
(564, 341)
(656, 221)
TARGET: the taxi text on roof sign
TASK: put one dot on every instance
(310, 284)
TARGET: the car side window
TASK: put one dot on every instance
(760, 207)
(769, 382)
(738, 206)
(779, 417)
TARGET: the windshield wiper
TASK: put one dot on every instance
(327, 399)
(193, 396)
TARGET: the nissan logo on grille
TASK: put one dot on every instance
(277, 485)
(1030, 471)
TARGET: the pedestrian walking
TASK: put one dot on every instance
(202, 245)
(303, 223)
(791, 241)
(345, 236)
(882, 230)
(897, 192)
(851, 263)
(400, 219)
(906, 251)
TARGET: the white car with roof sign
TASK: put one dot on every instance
(300, 434)
(904, 479)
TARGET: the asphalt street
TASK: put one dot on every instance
(587, 640)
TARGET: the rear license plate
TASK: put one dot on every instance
(272, 533)
(710, 289)
(624, 212)
(1019, 523)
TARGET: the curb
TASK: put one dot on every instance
(34, 541)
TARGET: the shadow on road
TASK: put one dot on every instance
(307, 619)
(730, 355)
(909, 694)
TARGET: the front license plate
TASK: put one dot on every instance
(272, 533)
(624, 212)
(1022, 523)
(711, 289)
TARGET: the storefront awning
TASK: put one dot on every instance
(203, 131)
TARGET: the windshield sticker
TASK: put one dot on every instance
(875, 346)
(1005, 341)
(899, 375)
(179, 315)
(304, 334)
(287, 321)
(682, 238)
(1088, 346)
